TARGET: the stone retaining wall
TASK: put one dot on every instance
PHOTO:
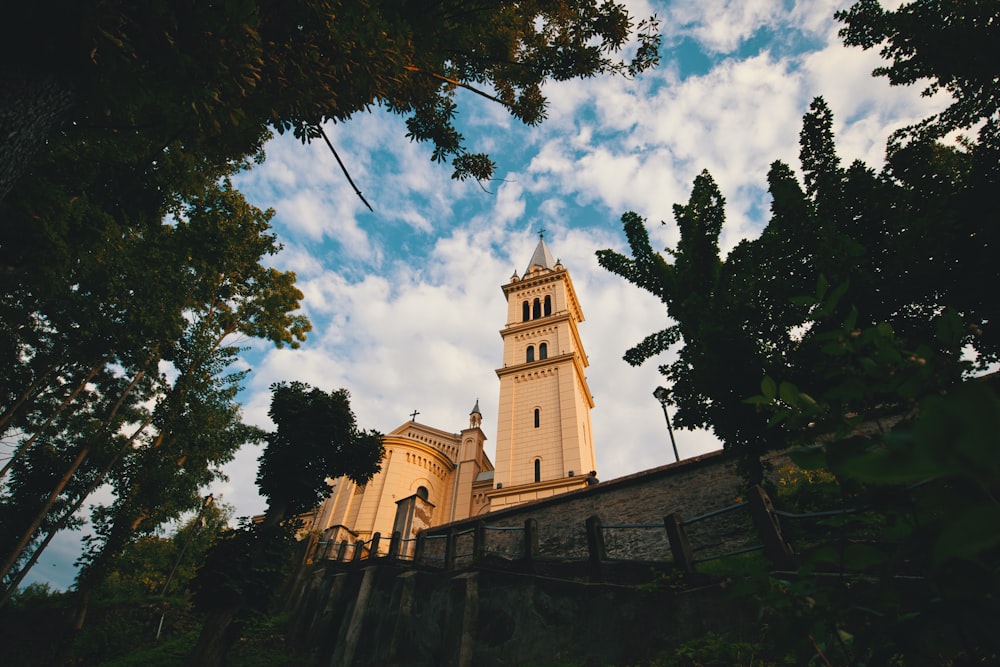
(691, 488)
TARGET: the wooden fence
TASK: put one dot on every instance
(472, 545)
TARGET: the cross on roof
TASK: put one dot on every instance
(541, 233)
(413, 416)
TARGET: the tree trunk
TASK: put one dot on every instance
(61, 523)
(22, 573)
(31, 109)
(222, 628)
(97, 570)
(65, 479)
(31, 391)
(218, 634)
(37, 521)
(69, 399)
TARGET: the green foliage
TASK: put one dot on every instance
(172, 653)
(214, 78)
(944, 42)
(734, 566)
(317, 438)
(36, 594)
(127, 250)
(169, 297)
(851, 353)
(124, 634)
(262, 646)
(244, 567)
(714, 650)
(697, 290)
(143, 567)
(113, 637)
(916, 555)
(831, 271)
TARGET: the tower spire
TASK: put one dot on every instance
(542, 257)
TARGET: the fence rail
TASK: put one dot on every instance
(666, 541)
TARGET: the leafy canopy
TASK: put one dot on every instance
(953, 45)
(215, 76)
(317, 438)
(848, 328)
(851, 245)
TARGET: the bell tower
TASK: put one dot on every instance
(544, 437)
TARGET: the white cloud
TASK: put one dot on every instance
(865, 108)
(719, 26)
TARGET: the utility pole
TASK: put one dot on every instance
(200, 520)
(661, 394)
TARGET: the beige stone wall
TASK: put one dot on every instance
(406, 467)
(525, 493)
(446, 464)
(555, 387)
(562, 441)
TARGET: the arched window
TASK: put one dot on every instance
(529, 354)
(538, 417)
(548, 305)
(536, 309)
(525, 312)
(543, 351)
(538, 470)
(422, 492)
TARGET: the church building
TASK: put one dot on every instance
(544, 441)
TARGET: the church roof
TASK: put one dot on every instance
(475, 410)
(541, 257)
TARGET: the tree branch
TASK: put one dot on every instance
(456, 82)
(344, 169)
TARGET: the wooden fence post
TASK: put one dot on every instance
(394, 544)
(530, 539)
(776, 548)
(680, 548)
(342, 551)
(450, 547)
(479, 542)
(418, 548)
(376, 538)
(359, 548)
(595, 540)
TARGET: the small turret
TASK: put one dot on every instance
(475, 417)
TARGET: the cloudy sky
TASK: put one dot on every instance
(406, 301)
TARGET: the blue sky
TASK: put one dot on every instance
(406, 301)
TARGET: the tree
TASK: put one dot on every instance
(754, 313)
(144, 568)
(696, 291)
(185, 289)
(210, 79)
(948, 43)
(317, 439)
(119, 117)
(856, 303)
(200, 431)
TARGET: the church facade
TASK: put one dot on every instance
(544, 440)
